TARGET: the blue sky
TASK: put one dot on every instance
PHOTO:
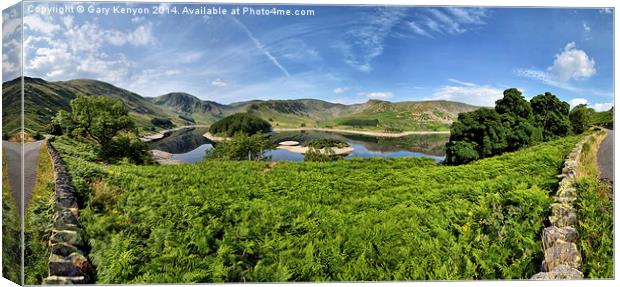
(341, 54)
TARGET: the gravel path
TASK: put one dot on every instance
(14, 166)
(605, 157)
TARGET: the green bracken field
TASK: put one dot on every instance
(350, 220)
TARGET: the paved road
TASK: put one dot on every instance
(13, 162)
(605, 157)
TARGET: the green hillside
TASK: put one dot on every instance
(43, 99)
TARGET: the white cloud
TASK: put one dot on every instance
(577, 101)
(419, 30)
(137, 19)
(474, 95)
(36, 23)
(141, 36)
(340, 90)
(364, 44)
(586, 27)
(572, 63)
(601, 107)
(379, 95)
(605, 11)
(219, 83)
(468, 84)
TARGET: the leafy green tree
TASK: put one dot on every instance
(61, 123)
(552, 115)
(514, 103)
(481, 131)
(99, 117)
(127, 146)
(241, 147)
(240, 123)
(581, 118)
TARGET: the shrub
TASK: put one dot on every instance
(324, 143)
(240, 147)
(162, 123)
(240, 123)
(126, 146)
(316, 155)
(361, 122)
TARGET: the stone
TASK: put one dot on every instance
(64, 249)
(562, 214)
(559, 272)
(73, 265)
(554, 234)
(64, 219)
(70, 237)
(62, 280)
(562, 253)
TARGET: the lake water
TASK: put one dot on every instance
(188, 145)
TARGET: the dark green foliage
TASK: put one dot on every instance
(604, 119)
(360, 122)
(551, 114)
(316, 155)
(162, 123)
(513, 103)
(596, 227)
(240, 123)
(100, 118)
(460, 152)
(372, 220)
(481, 131)
(240, 147)
(325, 142)
(61, 124)
(126, 146)
(580, 118)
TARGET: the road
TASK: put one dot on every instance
(605, 157)
(13, 162)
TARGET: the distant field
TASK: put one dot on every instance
(377, 219)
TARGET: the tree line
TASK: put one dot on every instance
(512, 124)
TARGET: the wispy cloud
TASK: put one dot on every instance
(262, 48)
(470, 93)
(586, 27)
(219, 83)
(377, 95)
(340, 90)
(365, 43)
(468, 84)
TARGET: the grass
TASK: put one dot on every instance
(373, 219)
(38, 221)
(11, 231)
(595, 213)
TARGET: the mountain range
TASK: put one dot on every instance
(43, 99)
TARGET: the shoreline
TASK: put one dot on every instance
(164, 133)
(367, 133)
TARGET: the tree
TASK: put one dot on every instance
(580, 118)
(61, 123)
(515, 104)
(240, 123)
(477, 134)
(99, 117)
(240, 147)
(552, 115)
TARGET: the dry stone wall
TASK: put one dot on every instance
(68, 261)
(562, 257)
